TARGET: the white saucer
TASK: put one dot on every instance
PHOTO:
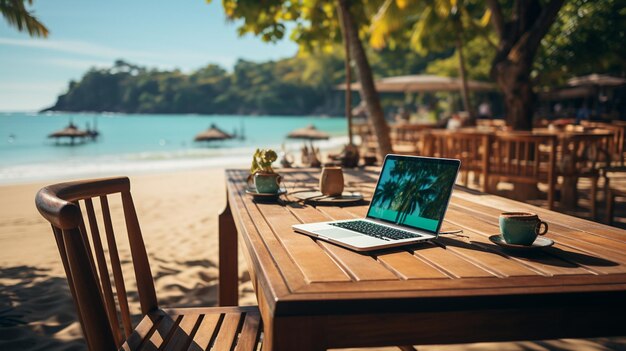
(539, 243)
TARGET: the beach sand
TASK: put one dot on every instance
(178, 216)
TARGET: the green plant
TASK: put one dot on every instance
(262, 161)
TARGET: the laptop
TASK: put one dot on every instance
(407, 207)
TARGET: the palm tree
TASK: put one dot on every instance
(16, 14)
(364, 71)
(386, 194)
(433, 22)
(422, 188)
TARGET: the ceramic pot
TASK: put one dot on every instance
(331, 181)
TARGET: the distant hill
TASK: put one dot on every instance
(294, 86)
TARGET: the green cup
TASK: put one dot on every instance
(267, 183)
(521, 228)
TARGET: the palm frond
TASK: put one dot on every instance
(16, 15)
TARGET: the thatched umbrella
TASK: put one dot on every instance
(423, 83)
(71, 131)
(309, 133)
(595, 79)
(213, 134)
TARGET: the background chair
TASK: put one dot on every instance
(582, 156)
(469, 147)
(102, 301)
(523, 158)
(614, 186)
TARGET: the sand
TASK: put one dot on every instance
(178, 215)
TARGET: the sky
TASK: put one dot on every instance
(184, 34)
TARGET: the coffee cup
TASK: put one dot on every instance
(521, 228)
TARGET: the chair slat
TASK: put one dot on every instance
(83, 233)
(527, 154)
(206, 333)
(116, 267)
(105, 279)
(250, 333)
(145, 284)
(162, 333)
(58, 236)
(227, 334)
(142, 332)
(91, 305)
(183, 334)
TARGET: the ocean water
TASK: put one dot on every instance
(131, 144)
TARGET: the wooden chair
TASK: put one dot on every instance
(614, 186)
(104, 312)
(616, 150)
(582, 156)
(408, 139)
(471, 148)
(523, 158)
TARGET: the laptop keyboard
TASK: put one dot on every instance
(376, 230)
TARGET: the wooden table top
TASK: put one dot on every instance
(300, 275)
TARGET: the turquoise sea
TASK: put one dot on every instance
(131, 144)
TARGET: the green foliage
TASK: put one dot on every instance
(17, 15)
(302, 85)
(478, 56)
(587, 37)
(262, 161)
(315, 23)
(275, 87)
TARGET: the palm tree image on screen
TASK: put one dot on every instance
(413, 194)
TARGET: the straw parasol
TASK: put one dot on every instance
(213, 134)
(423, 83)
(71, 131)
(595, 79)
(308, 133)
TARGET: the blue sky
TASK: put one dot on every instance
(185, 34)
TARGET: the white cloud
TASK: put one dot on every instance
(166, 59)
(78, 63)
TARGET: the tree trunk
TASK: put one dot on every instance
(513, 78)
(346, 45)
(368, 90)
(519, 39)
(463, 73)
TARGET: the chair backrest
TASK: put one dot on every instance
(105, 319)
(619, 138)
(409, 138)
(523, 155)
(582, 153)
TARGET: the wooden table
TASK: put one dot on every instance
(314, 295)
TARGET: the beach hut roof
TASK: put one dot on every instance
(71, 131)
(309, 133)
(596, 79)
(213, 133)
(423, 83)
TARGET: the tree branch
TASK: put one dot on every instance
(497, 19)
(543, 23)
(529, 42)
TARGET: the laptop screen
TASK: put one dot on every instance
(414, 191)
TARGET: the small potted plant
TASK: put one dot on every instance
(262, 173)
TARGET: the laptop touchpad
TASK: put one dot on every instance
(336, 233)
